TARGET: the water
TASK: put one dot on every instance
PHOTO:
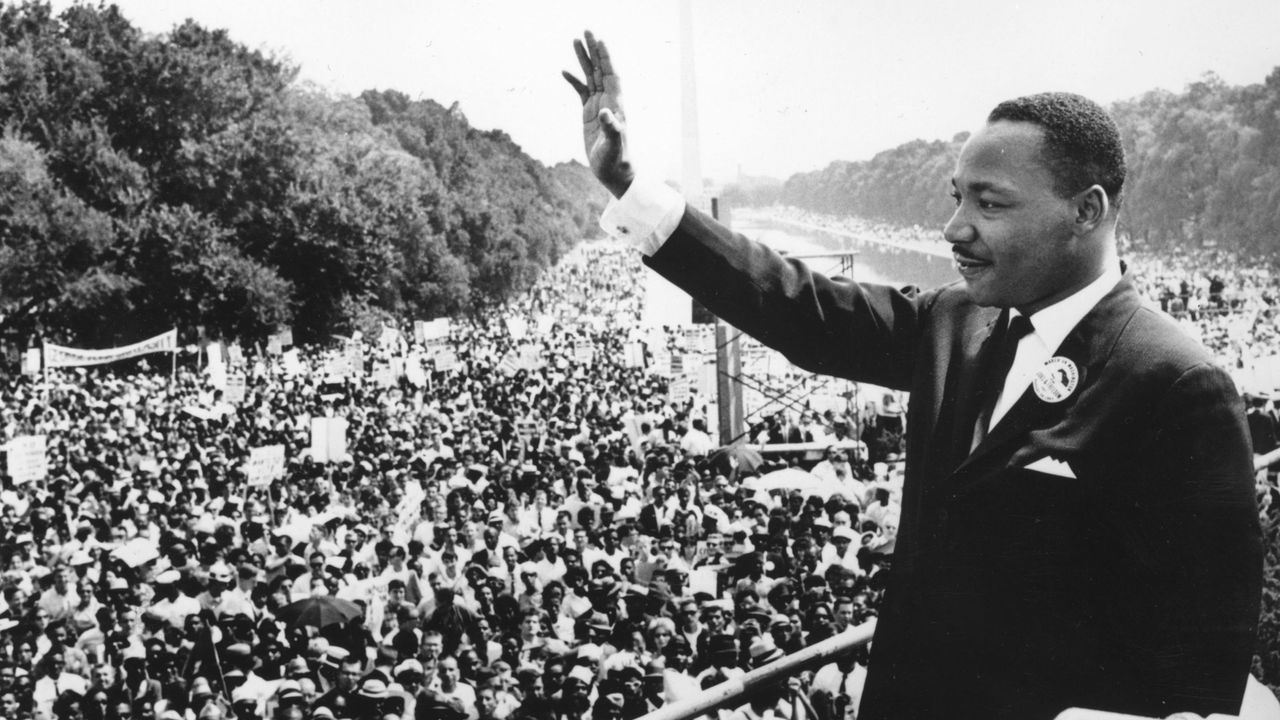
(876, 262)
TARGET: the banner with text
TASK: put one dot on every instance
(59, 356)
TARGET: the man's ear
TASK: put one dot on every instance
(1091, 209)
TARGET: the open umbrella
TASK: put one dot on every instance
(734, 460)
(136, 552)
(789, 479)
(319, 611)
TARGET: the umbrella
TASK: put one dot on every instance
(734, 460)
(136, 552)
(794, 479)
(319, 611)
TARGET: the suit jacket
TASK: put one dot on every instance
(1133, 586)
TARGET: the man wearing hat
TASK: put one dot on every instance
(577, 695)
(721, 659)
(842, 551)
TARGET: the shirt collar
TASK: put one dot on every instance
(1053, 323)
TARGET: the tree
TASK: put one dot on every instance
(53, 264)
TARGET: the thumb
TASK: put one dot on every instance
(611, 123)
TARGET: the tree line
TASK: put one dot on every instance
(1204, 170)
(148, 181)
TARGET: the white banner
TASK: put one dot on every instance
(59, 356)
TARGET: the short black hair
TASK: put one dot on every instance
(1081, 141)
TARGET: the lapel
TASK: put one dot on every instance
(959, 398)
(1087, 346)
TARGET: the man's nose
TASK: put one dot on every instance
(958, 229)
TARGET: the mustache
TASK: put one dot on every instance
(962, 254)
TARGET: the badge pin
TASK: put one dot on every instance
(1056, 379)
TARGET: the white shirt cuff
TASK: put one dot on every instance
(645, 216)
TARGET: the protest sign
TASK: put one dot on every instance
(328, 439)
(382, 375)
(633, 355)
(234, 393)
(264, 465)
(293, 364)
(527, 429)
(679, 391)
(31, 362)
(27, 458)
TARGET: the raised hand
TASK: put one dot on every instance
(603, 122)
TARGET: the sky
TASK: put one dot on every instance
(784, 86)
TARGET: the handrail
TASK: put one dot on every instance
(1262, 462)
(733, 690)
(1083, 714)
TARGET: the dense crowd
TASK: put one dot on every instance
(540, 527)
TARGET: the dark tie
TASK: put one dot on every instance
(994, 375)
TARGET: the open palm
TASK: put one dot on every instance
(603, 132)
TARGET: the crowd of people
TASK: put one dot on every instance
(539, 528)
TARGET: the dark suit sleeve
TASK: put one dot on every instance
(1201, 528)
(832, 326)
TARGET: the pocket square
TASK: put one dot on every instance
(1050, 466)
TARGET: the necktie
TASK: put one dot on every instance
(995, 374)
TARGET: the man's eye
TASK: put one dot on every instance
(956, 197)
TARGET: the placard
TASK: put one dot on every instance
(680, 391)
(633, 355)
(28, 459)
(527, 429)
(235, 390)
(517, 327)
(328, 439)
(264, 465)
(382, 374)
(31, 362)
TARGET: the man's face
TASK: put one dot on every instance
(449, 674)
(1011, 233)
(488, 701)
(432, 646)
(844, 614)
(348, 675)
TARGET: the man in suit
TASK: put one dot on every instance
(1078, 520)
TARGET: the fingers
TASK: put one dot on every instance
(580, 88)
(597, 74)
(597, 68)
(602, 58)
(584, 59)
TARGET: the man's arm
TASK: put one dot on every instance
(1202, 532)
(825, 325)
